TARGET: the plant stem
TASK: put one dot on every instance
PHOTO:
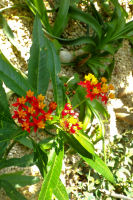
(79, 104)
(115, 195)
(104, 150)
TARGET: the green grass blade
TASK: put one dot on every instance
(52, 177)
(38, 74)
(77, 14)
(12, 78)
(62, 17)
(60, 191)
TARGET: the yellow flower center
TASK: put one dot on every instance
(95, 90)
(72, 120)
(92, 78)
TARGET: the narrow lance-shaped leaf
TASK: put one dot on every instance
(3, 101)
(6, 28)
(93, 160)
(52, 177)
(18, 180)
(38, 74)
(98, 164)
(12, 78)
(60, 191)
(53, 65)
(38, 8)
(26, 160)
(62, 17)
(77, 14)
(10, 133)
(11, 191)
(84, 141)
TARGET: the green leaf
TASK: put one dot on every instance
(75, 144)
(3, 146)
(11, 191)
(99, 107)
(6, 28)
(101, 125)
(53, 65)
(10, 133)
(98, 164)
(52, 177)
(88, 117)
(60, 191)
(38, 74)
(25, 161)
(84, 140)
(12, 78)
(18, 181)
(77, 14)
(40, 157)
(3, 101)
(62, 17)
(38, 7)
(25, 141)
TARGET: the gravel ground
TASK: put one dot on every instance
(21, 22)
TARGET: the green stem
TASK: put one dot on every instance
(79, 104)
(104, 150)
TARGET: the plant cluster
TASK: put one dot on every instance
(68, 116)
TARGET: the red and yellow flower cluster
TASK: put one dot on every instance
(70, 121)
(96, 89)
(30, 112)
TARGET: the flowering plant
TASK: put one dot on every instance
(32, 114)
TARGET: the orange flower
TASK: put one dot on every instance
(41, 124)
(31, 110)
(29, 93)
(52, 106)
(25, 126)
(111, 96)
(41, 105)
(21, 100)
(40, 97)
(111, 87)
(103, 80)
(21, 114)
